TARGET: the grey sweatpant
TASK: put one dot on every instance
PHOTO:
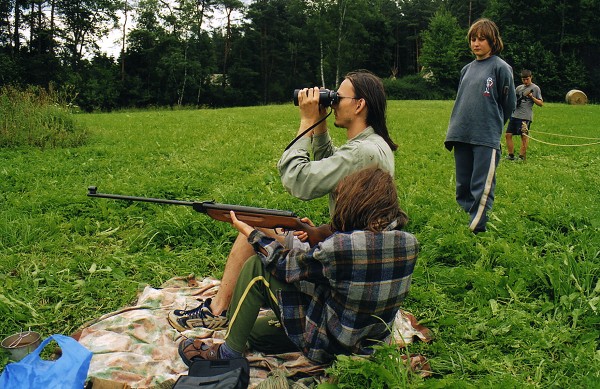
(475, 181)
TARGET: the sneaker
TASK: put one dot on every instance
(510, 157)
(522, 158)
(183, 320)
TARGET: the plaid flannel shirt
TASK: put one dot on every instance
(349, 289)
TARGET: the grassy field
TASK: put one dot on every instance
(517, 306)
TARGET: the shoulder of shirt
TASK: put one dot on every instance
(357, 233)
(495, 60)
(364, 143)
(366, 133)
(364, 136)
(504, 64)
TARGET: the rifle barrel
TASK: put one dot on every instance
(92, 193)
(199, 206)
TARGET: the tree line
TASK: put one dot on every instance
(232, 53)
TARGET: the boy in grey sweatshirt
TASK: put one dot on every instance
(484, 102)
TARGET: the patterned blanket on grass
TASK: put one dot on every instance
(136, 347)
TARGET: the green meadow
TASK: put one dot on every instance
(517, 306)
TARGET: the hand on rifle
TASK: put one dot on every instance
(303, 235)
(242, 227)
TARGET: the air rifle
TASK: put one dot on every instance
(255, 217)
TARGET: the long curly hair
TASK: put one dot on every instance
(367, 200)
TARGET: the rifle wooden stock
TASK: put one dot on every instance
(255, 217)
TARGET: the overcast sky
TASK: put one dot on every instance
(111, 44)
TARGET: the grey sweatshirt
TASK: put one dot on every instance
(484, 102)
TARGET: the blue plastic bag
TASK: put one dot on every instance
(68, 372)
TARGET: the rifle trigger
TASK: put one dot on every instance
(279, 231)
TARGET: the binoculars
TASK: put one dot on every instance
(326, 97)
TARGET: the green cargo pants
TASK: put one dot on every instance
(256, 288)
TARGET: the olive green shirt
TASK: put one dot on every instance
(307, 180)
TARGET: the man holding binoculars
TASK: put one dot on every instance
(359, 106)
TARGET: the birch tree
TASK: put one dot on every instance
(228, 6)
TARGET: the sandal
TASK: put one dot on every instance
(191, 349)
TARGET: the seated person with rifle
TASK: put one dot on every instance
(360, 107)
(338, 297)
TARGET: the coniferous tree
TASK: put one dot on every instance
(444, 51)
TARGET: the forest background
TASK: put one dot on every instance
(216, 53)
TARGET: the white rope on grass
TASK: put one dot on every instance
(566, 136)
(556, 144)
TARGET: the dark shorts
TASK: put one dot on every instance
(515, 126)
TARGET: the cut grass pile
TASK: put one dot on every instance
(516, 306)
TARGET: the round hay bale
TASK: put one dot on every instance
(576, 97)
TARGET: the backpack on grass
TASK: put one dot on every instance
(217, 374)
